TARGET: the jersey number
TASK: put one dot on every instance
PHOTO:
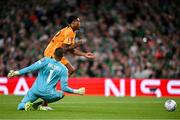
(49, 76)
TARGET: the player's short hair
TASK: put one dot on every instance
(71, 19)
(59, 52)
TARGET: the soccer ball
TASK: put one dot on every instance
(170, 105)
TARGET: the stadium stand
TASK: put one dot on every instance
(132, 39)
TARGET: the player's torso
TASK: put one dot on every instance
(58, 40)
(48, 76)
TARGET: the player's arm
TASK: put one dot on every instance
(69, 43)
(85, 54)
(35, 66)
(68, 47)
(66, 88)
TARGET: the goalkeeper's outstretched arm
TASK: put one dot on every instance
(66, 88)
(35, 66)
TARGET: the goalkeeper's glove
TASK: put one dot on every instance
(80, 91)
(13, 73)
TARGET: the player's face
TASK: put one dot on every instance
(76, 23)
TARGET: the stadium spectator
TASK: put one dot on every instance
(114, 31)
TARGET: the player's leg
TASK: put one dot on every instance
(53, 96)
(29, 97)
(36, 105)
(49, 98)
(70, 68)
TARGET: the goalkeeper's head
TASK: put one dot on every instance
(58, 53)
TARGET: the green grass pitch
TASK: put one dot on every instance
(91, 107)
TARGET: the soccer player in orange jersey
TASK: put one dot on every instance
(65, 38)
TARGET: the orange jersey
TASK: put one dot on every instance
(64, 36)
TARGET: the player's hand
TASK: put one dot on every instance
(90, 55)
(81, 91)
(12, 73)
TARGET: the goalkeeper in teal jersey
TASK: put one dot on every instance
(50, 72)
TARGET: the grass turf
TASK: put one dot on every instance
(91, 107)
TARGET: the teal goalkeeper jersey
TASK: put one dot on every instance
(50, 72)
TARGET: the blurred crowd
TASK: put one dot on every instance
(130, 38)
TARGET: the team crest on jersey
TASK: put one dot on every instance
(70, 40)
